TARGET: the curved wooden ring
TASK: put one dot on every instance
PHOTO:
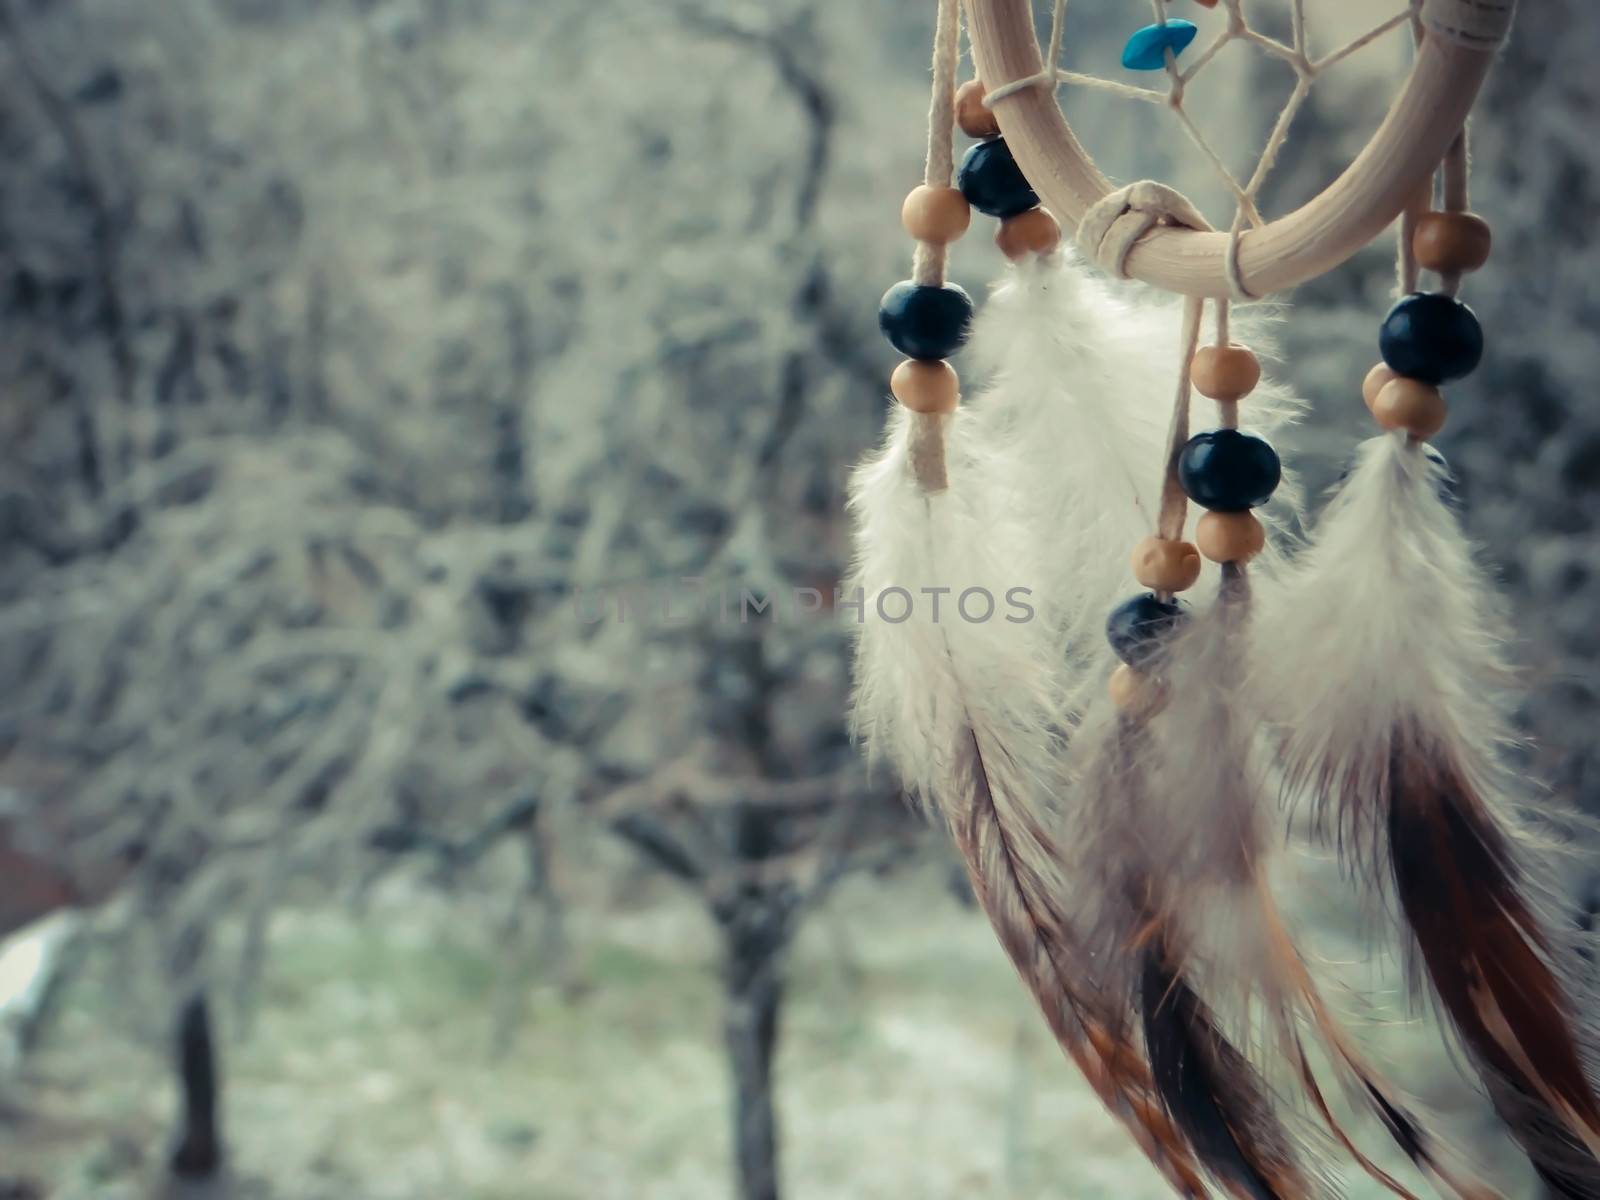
(1424, 119)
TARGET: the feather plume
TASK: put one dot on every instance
(966, 712)
(924, 674)
(1074, 422)
(1212, 1091)
(1203, 840)
(1207, 1085)
(1201, 828)
(1138, 834)
(976, 715)
(1379, 655)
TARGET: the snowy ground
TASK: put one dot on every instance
(912, 1067)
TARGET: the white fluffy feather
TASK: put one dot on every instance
(1380, 658)
(1174, 807)
(1073, 426)
(1384, 620)
(969, 712)
(922, 682)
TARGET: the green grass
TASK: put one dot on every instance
(912, 1068)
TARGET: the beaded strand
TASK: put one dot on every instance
(926, 318)
(1431, 338)
(1224, 471)
(993, 184)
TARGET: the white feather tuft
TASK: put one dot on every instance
(1383, 622)
(969, 655)
(1380, 658)
(1074, 425)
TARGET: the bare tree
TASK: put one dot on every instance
(198, 1153)
(314, 452)
(759, 853)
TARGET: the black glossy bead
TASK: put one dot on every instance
(1228, 471)
(1431, 337)
(992, 182)
(1137, 628)
(923, 321)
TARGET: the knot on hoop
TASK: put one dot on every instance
(1112, 225)
(1476, 24)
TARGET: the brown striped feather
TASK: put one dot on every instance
(1212, 1091)
(1489, 958)
(996, 841)
(1436, 1159)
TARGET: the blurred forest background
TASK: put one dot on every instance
(357, 359)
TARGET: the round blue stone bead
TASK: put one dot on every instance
(1228, 471)
(923, 321)
(992, 182)
(1147, 48)
(1137, 628)
(1431, 337)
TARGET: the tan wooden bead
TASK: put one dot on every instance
(975, 119)
(1229, 537)
(1165, 566)
(1451, 242)
(1032, 232)
(926, 387)
(1412, 405)
(938, 215)
(1132, 690)
(1224, 372)
(1374, 382)
(1135, 692)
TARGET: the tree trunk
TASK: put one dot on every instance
(756, 938)
(198, 1154)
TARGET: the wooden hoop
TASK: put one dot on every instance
(1353, 210)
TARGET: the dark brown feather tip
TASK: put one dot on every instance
(1402, 1129)
(1208, 1088)
(1488, 957)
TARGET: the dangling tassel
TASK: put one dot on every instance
(1185, 812)
(967, 705)
(1137, 839)
(1217, 868)
(1208, 1087)
(1206, 924)
(964, 711)
(1379, 659)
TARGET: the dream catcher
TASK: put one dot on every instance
(1116, 784)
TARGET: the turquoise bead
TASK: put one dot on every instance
(1146, 49)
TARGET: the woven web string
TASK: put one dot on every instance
(1295, 53)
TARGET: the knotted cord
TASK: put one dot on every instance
(1113, 224)
(1454, 197)
(1174, 502)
